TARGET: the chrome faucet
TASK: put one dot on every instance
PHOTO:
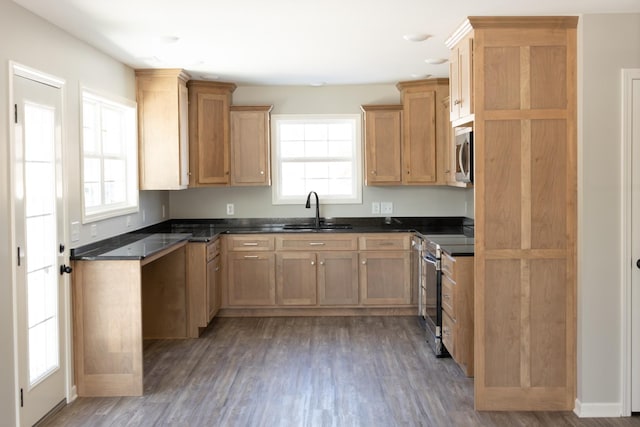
(308, 206)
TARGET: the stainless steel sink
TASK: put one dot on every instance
(312, 227)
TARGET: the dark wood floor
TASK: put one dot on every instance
(316, 371)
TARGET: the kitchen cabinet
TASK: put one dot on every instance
(317, 270)
(423, 141)
(524, 98)
(209, 106)
(382, 144)
(204, 267)
(251, 270)
(385, 269)
(163, 130)
(250, 145)
(461, 81)
(458, 310)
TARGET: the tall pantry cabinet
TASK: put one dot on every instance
(523, 90)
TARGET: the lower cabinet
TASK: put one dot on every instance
(251, 278)
(204, 284)
(321, 270)
(385, 278)
(458, 310)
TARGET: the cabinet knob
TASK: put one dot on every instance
(457, 102)
(321, 262)
(374, 173)
(261, 172)
(364, 262)
(313, 263)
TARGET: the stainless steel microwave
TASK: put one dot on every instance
(464, 154)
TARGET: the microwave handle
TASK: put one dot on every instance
(461, 166)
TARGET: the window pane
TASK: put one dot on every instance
(114, 192)
(315, 132)
(340, 149)
(41, 194)
(39, 133)
(114, 170)
(340, 170)
(112, 125)
(292, 149)
(291, 132)
(92, 195)
(316, 170)
(292, 177)
(92, 170)
(315, 148)
(341, 187)
(342, 131)
(90, 138)
(320, 186)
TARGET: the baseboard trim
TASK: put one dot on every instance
(597, 410)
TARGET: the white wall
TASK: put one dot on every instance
(255, 202)
(608, 44)
(30, 41)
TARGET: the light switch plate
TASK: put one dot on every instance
(230, 209)
(75, 231)
(375, 208)
(386, 208)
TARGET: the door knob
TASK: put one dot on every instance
(638, 263)
(65, 269)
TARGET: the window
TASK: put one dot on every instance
(109, 161)
(320, 153)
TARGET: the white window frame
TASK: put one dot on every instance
(130, 156)
(277, 197)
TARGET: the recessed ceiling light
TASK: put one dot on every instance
(420, 76)
(317, 84)
(210, 76)
(416, 37)
(169, 39)
(435, 61)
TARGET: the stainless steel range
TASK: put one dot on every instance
(430, 287)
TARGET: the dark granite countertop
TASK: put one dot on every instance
(134, 246)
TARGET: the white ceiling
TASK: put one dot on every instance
(288, 42)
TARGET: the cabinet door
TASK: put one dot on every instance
(162, 128)
(454, 85)
(213, 287)
(296, 278)
(465, 79)
(250, 146)
(382, 145)
(212, 141)
(338, 278)
(251, 279)
(419, 138)
(384, 278)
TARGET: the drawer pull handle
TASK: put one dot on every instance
(316, 243)
(250, 244)
(386, 243)
(251, 256)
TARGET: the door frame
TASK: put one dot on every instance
(627, 265)
(18, 70)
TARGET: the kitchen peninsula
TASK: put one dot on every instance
(140, 285)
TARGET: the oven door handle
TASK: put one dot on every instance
(430, 259)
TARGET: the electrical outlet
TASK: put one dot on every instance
(144, 216)
(386, 208)
(375, 208)
(164, 212)
(94, 230)
(75, 231)
(230, 209)
(128, 221)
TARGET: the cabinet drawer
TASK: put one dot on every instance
(448, 266)
(448, 334)
(385, 242)
(314, 242)
(213, 249)
(449, 296)
(250, 243)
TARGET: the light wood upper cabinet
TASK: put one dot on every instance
(250, 145)
(163, 136)
(424, 140)
(461, 81)
(209, 104)
(525, 181)
(382, 144)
